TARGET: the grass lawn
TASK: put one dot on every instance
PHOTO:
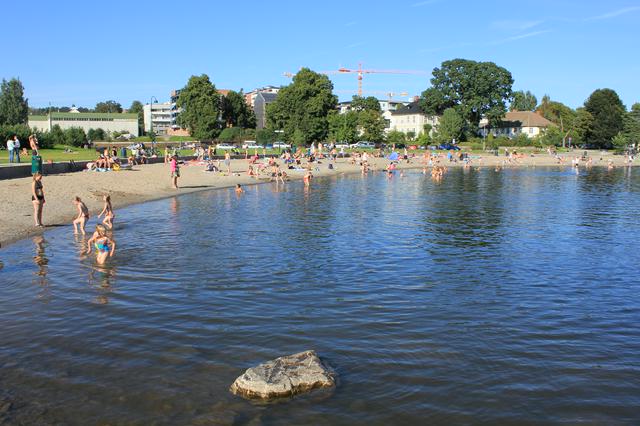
(58, 154)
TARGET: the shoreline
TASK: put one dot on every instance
(151, 182)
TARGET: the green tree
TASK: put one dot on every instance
(343, 127)
(75, 136)
(631, 129)
(137, 108)
(371, 125)
(523, 101)
(108, 107)
(582, 125)
(370, 103)
(474, 89)
(231, 135)
(302, 108)
(265, 136)
(451, 126)
(395, 137)
(236, 112)
(608, 117)
(57, 135)
(200, 103)
(14, 108)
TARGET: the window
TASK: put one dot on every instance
(531, 130)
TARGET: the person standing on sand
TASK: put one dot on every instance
(10, 148)
(175, 171)
(33, 143)
(227, 162)
(37, 198)
(83, 216)
(16, 148)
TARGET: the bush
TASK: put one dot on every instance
(231, 135)
(75, 136)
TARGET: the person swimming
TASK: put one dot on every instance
(105, 246)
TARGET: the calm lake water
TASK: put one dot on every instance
(492, 297)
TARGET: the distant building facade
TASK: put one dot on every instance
(160, 118)
(516, 123)
(260, 103)
(109, 122)
(410, 119)
(250, 97)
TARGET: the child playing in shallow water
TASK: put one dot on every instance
(239, 189)
(83, 216)
(107, 211)
(104, 245)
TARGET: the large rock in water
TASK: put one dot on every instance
(284, 376)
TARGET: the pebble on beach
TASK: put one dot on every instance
(284, 376)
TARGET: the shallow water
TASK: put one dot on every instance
(492, 297)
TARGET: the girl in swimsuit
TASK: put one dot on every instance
(104, 245)
(83, 216)
(107, 211)
(37, 198)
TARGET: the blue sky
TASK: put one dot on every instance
(79, 52)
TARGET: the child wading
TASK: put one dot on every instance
(83, 216)
(104, 245)
(107, 211)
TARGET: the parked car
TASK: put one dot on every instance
(251, 145)
(342, 144)
(226, 146)
(448, 147)
(363, 145)
(281, 145)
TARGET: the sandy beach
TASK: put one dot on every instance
(152, 182)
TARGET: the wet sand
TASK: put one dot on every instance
(152, 182)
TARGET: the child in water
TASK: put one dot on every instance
(83, 216)
(239, 189)
(104, 245)
(107, 211)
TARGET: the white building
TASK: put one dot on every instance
(161, 118)
(515, 123)
(410, 119)
(109, 122)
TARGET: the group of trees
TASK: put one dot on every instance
(206, 113)
(363, 121)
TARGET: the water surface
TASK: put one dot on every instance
(491, 297)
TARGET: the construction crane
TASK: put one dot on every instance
(390, 95)
(360, 72)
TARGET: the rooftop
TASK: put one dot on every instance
(84, 116)
(412, 109)
(525, 119)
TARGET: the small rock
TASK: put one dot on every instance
(284, 376)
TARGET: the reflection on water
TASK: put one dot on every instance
(497, 297)
(42, 262)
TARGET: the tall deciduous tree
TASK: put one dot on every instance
(343, 127)
(302, 107)
(236, 112)
(137, 108)
(108, 107)
(474, 89)
(200, 103)
(370, 103)
(14, 108)
(631, 128)
(371, 125)
(523, 101)
(451, 126)
(608, 117)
